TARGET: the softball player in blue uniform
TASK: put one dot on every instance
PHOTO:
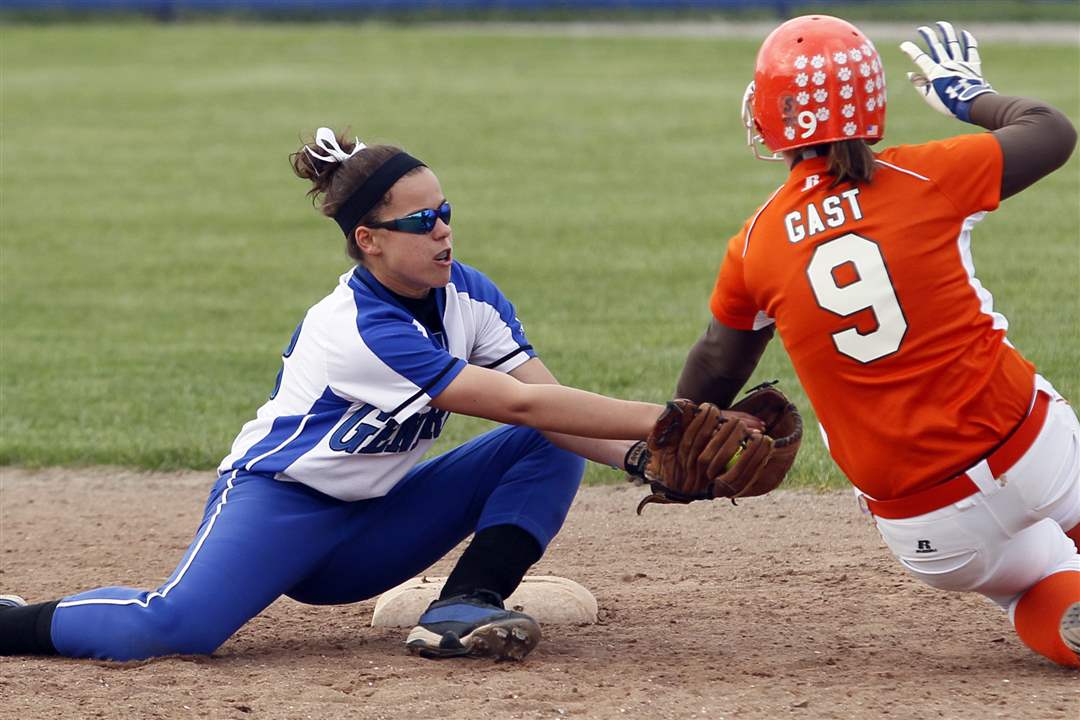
(323, 497)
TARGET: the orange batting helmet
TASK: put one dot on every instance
(818, 79)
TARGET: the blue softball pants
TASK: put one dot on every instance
(261, 538)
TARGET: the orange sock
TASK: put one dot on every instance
(1074, 535)
(1038, 615)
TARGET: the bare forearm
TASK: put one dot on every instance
(700, 381)
(594, 416)
(720, 363)
(531, 396)
(599, 450)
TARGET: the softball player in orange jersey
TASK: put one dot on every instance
(968, 459)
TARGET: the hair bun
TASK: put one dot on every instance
(321, 162)
(330, 144)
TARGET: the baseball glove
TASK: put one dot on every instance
(702, 452)
(690, 449)
(782, 434)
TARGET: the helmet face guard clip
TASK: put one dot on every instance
(753, 137)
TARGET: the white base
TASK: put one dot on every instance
(549, 599)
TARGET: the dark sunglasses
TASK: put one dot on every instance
(418, 223)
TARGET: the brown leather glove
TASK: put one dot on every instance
(702, 452)
(690, 449)
(782, 436)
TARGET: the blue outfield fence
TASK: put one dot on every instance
(169, 8)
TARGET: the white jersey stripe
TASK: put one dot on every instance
(900, 169)
(180, 573)
(986, 300)
(746, 243)
(282, 444)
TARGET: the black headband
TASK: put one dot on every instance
(365, 197)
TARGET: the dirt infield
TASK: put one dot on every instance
(786, 606)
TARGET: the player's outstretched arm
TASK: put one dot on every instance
(720, 363)
(485, 393)
(599, 450)
(1035, 138)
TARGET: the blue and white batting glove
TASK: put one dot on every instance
(951, 76)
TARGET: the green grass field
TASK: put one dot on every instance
(157, 252)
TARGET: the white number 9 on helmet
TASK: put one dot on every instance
(808, 122)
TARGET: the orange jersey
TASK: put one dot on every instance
(873, 293)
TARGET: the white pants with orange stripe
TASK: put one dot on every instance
(1003, 540)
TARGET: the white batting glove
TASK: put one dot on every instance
(951, 70)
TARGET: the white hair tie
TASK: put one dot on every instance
(327, 141)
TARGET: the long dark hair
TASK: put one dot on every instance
(850, 161)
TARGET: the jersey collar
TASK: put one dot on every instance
(805, 167)
(365, 283)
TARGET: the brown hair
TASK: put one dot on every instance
(850, 161)
(333, 182)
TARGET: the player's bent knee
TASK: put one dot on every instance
(561, 466)
(168, 632)
(571, 465)
(193, 643)
(565, 471)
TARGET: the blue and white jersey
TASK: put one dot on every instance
(349, 414)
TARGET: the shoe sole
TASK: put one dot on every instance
(510, 639)
(1070, 628)
(12, 601)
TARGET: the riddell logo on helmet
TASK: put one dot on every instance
(789, 115)
(787, 109)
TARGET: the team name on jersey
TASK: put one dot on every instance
(835, 209)
(370, 431)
